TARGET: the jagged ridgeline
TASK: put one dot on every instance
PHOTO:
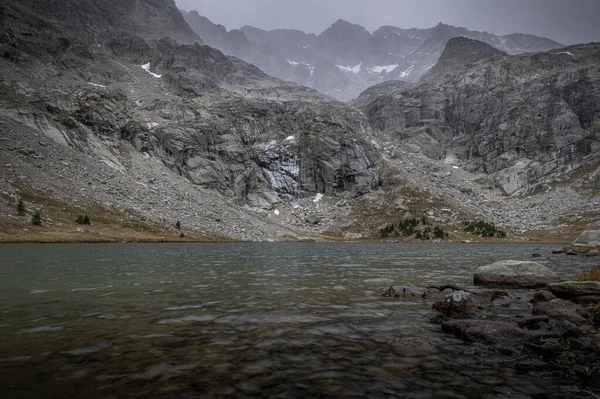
(345, 59)
(99, 71)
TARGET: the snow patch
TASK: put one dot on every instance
(318, 198)
(290, 138)
(276, 212)
(351, 69)
(96, 85)
(147, 69)
(407, 72)
(567, 53)
(383, 68)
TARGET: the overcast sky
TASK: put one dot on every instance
(567, 21)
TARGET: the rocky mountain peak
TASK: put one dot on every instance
(460, 52)
(345, 31)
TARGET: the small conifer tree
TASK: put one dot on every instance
(36, 219)
(20, 207)
(83, 219)
(178, 225)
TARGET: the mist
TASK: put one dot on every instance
(566, 21)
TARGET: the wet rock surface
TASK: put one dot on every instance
(511, 273)
(538, 334)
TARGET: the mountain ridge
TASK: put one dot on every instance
(362, 58)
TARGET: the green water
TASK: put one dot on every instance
(239, 320)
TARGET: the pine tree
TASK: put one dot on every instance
(20, 208)
(178, 225)
(36, 219)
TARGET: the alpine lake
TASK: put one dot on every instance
(247, 320)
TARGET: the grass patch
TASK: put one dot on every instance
(592, 274)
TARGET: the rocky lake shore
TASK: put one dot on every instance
(521, 320)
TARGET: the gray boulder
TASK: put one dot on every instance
(577, 291)
(589, 238)
(514, 273)
(543, 296)
(575, 288)
(312, 219)
(486, 331)
(559, 309)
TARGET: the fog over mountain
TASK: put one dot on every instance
(565, 21)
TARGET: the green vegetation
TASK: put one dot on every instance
(592, 274)
(20, 207)
(484, 229)
(178, 225)
(420, 228)
(181, 235)
(36, 219)
(83, 219)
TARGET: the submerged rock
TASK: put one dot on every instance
(486, 331)
(514, 273)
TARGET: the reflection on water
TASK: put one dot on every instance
(241, 320)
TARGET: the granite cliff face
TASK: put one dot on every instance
(519, 121)
(346, 59)
(215, 120)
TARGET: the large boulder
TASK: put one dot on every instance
(589, 238)
(577, 291)
(514, 273)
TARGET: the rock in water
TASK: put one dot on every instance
(514, 273)
(560, 309)
(458, 305)
(589, 238)
(578, 291)
(486, 331)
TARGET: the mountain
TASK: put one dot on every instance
(113, 118)
(362, 59)
(522, 122)
(461, 52)
(101, 116)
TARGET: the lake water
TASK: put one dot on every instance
(242, 320)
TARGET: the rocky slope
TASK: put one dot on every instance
(105, 121)
(231, 131)
(522, 124)
(346, 59)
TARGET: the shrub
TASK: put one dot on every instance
(483, 229)
(20, 208)
(181, 235)
(592, 274)
(36, 219)
(420, 228)
(178, 225)
(83, 219)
